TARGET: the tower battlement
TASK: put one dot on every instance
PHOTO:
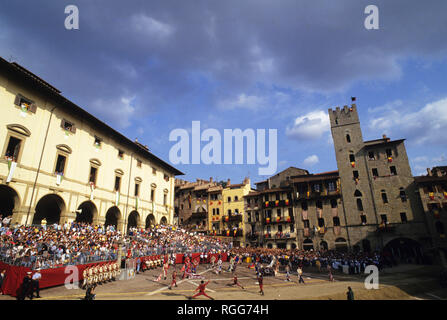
(343, 116)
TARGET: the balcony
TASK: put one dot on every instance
(232, 233)
(281, 219)
(284, 236)
(277, 203)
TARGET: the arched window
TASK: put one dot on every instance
(348, 138)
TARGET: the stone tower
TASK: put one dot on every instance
(377, 187)
(355, 185)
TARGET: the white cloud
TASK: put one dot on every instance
(151, 26)
(242, 101)
(311, 160)
(310, 126)
(119, 111)
(425, 125)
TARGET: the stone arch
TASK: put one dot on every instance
(51, 207)
(150, 221)
(113, 217)
(87, 212)
(133, 220)
(308, 244)
(404, 248)
(341, 244)
(323, 245)
(9, 200)
(163, 221)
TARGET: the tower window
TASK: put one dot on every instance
(393, 171)
(336, 221)
(359, 205)
(403, 217)
(363, 218)
(351, 158)
(320, 222)
(355, 173)
(375, 172)
(384, 197)
(153, 197)
(384, 218)
(371, 155)
(388, 153)
(306, 223)
(403, 196)
(348, 138)
(137, 189)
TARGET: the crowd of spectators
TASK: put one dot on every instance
(48, 246)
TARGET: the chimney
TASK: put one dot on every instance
(228, 182)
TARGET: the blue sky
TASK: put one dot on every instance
(148, 67)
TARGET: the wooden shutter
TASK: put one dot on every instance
(32, 108)
(63, 124)
(17, 100)
(73, 128)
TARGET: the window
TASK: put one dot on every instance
(217, 211)
(290, 212)
(336, 221)
(355, 173)
(153, 197)
(306, 223)
(121, 154)
(137, 189)
(277, 196)
(319, 204)
(317, 187)
(229, 199)
(348, 138)
(68, 126)
(278, 212)
(236, 211)
(371, 155)
(331, 186)
(384, 218)
(388, 153)
(403, 196)
(166, 177)
(93, 175)
(304, 205)
(60, 164)
(139, 163)
(257, 216)
(117, 186)
(13, 148)
(363, 219)
(375, 172)
(236, 198)
(351, 158)
(357, 193)
(154, 171)
(280, 228)
(98, 142)
(292, 228)
(384, 197)
(320, 222)
(403, 217)
(165, 199)
(229, 212)
(359, 205)
(266, 197)
(23, 102)
(393, 171)
(214, 211)
(333, 203)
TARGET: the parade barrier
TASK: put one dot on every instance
(53, 277)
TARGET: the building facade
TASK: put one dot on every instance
(61, 163)
(433, 194)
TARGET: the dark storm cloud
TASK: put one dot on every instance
(139, 56)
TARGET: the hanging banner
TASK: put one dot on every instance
(58, 178)
(92, 188)
(12, 168)
(117, 198)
